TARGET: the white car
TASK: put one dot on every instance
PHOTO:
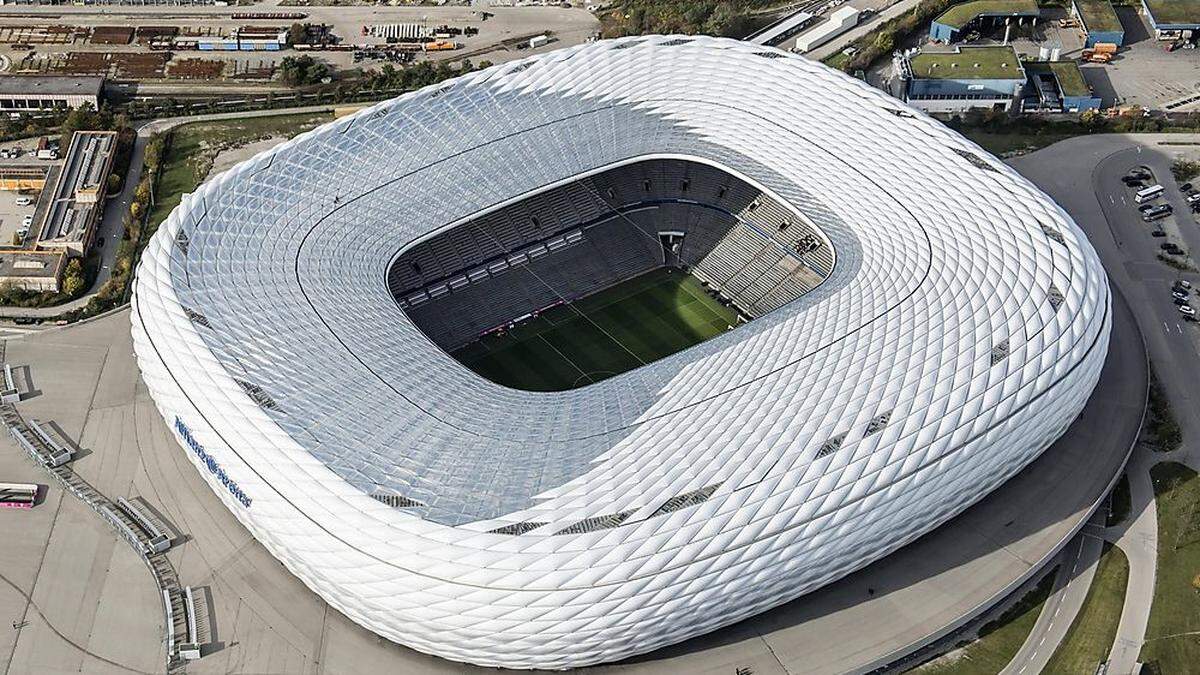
(1187, 310)
(24, 201)
(27, 221)
(1179, 294)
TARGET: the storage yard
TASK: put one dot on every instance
(199, 42)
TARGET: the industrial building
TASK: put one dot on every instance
(988, 77)
(78, 198)
(32, 270)
(842, 20)
(955, 22)
(1172, 19)
(1057, 86)
(1099, 22)
(993, 78)
(20, 93)
(32, 178)
(947, 325)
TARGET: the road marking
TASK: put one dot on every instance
(1111, 200)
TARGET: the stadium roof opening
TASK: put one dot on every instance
(607, 272)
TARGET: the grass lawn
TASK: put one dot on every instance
(1090, 638)
(960, 15)
(190, 144)
(1173, 635)
(969, 63)
(998, 640)
(605, 334)
(1119, 503)
(1012, 144)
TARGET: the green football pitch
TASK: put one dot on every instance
(618, 329)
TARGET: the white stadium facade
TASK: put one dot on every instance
(925, 323)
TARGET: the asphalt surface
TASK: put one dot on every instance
(1077, 568)
(1083, 174)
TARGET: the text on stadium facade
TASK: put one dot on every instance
(213, 467)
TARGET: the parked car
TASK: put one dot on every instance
(1182, 295)
(1158, 233)
(1180, 301)
(1187, 310)
(1147, 206)
(1185, 187)
(27, 221)
(24, 201)
(1182, 284)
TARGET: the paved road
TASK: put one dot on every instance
(1103, 207)
(842, 41)
(112, 225)
(1077, 568)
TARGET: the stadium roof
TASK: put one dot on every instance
(959, 333)
(969, 63)
(960, 15)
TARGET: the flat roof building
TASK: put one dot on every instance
(78, 198)
(965, 78)
(957, 20)
(32, 270)
(20, 93)
(1170, 18)
(1057, 86)
(1099, 22)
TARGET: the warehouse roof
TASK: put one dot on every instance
(1070, 78)
(1174, 12)
(1098, 15)
(28, 264)
(960, 15)
(969, 63)
(50, 85)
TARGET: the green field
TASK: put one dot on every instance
(628, 325)
(1173, 636)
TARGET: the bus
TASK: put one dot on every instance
(18, 495)
(1146, 194)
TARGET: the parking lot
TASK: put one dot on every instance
(16, 215)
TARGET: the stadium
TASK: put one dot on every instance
(579, 356)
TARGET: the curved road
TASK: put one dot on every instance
(1104, 208)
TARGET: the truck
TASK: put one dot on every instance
(49, 153)
(538, 41)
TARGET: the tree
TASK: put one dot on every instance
(298, 71)
(297, 34)
(884, 42)
(72, 283)
(114, 183)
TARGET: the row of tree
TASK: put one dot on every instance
(726, 18)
